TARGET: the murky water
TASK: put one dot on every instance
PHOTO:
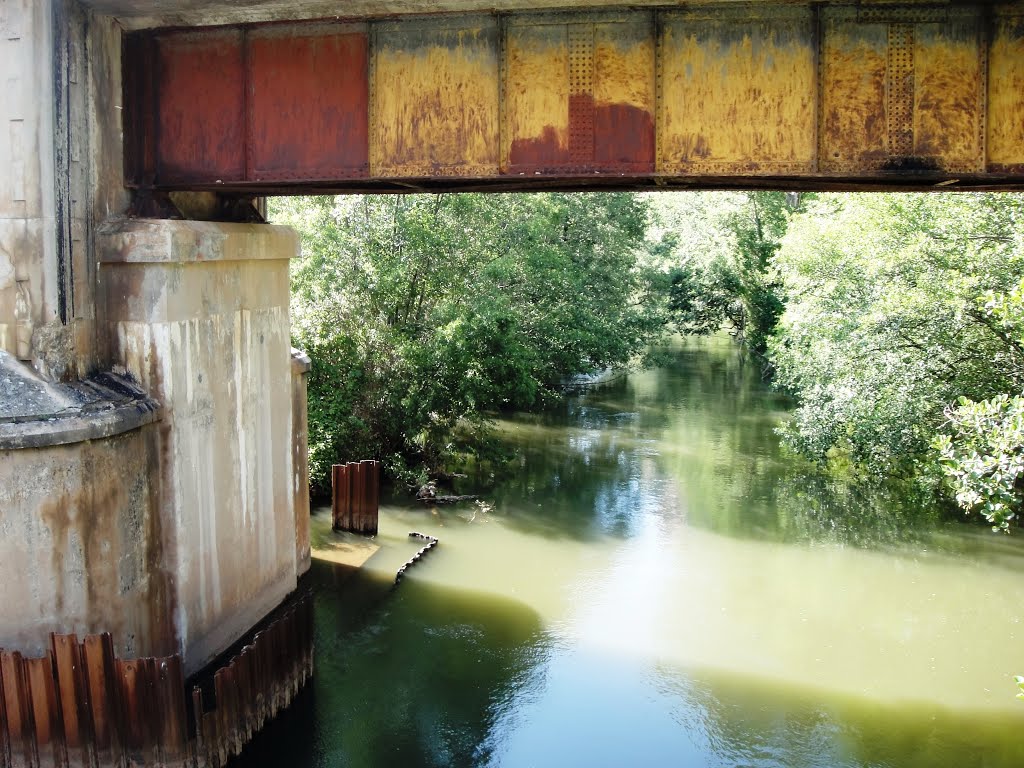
(657, 584)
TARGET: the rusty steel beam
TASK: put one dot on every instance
(804, 96)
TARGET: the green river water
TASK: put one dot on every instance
(658, 584)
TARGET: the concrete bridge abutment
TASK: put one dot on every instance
(197, 314)
(167, 501)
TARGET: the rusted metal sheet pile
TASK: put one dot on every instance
(805, 94)
(78, 705)
(263, 679)
(355, 497)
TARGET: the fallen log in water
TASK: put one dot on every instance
(428, 495)
(447, 499)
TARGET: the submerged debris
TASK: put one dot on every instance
(431, 543)
(428, 495)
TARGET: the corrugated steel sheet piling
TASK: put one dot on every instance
(355, 497)
(78, 706)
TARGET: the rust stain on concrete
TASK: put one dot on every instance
(106, 570)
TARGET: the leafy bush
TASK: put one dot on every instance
(893, 313)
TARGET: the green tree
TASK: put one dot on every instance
(982, 450)
(722, 246)
(424, 313)
(883, 328)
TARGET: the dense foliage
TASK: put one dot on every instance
(423, 313)
(896, 321)
(982, 454)
(720, 246)
(897, 307)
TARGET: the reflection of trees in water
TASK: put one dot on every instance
(695, 439)
(410, 683)
(805, 506)
(589, 474)
(738, 480)
(744, 721)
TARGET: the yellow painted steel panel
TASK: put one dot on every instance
(738, 93)
(1006, 95)
(536, 96)
(853, 94)
(624, 65)
(949, 79)
(434, 98)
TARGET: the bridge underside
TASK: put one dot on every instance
(808, 96)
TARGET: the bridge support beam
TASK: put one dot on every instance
(796, 95)
(197, 313)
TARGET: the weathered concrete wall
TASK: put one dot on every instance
(28, 267)
(300, 458)
(198, 313)
(81, 545)
(61, 155)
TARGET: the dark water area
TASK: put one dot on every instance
(657, 583)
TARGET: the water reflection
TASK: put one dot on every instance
(707, 424)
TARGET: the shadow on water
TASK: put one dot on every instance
(743, 721)
(403, 677)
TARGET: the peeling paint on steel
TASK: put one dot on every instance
(201, 106)
(435, 99)
(537, 98)
(1005, 140)
(949, 95)
(738, 95)
(307, 116)
(853, 116)
(748, 90)
(624, 96)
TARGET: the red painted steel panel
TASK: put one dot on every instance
(173, 732)
(72, 697)
(201, 127)
(16, 708)
(309, 97)
(623, 138)
(4, 739)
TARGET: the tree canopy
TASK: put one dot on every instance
(886, 324)
(896, 321)
(423, 313)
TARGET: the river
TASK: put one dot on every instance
(656, 583)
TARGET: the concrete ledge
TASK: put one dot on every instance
(37, 414)
(150, 241)
(77, 429)
(300, 361)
